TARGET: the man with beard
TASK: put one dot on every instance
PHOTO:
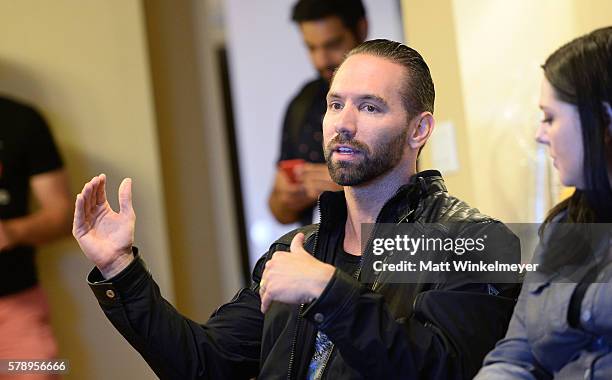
(307, 314)
(330, 29)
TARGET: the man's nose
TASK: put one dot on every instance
(346, 122)
(322, 59)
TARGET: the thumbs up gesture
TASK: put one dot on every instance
(293, 277)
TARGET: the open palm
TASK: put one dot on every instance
(105, 236)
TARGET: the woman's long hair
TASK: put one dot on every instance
(581, 74)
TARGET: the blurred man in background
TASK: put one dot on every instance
(29, 164)
(330, 29)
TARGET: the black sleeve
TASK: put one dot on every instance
(41, 152)
(446, 337)
(175, 347)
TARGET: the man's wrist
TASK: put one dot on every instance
(117, 266)
(325, 276)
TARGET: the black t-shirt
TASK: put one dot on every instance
(303, 125)
(302, 135)
(344, 261)
(26, 149)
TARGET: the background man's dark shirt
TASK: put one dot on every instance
(302, 135)
(26, 149)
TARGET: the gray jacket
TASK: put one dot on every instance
(541, 344)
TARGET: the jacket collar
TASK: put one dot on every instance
(405, 200)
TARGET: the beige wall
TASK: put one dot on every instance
(430, 29)
(485, 58)
(195, 162)
(85, 65)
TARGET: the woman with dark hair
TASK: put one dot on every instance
(562, 324)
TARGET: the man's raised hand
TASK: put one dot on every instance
(106, 237)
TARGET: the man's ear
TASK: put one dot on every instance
(362, 30)
(424, 126)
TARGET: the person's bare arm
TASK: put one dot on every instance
(51, 221)
(288, 200)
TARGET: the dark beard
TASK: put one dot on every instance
(331, 69)
(375, 163)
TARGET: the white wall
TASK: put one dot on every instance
(269, 64)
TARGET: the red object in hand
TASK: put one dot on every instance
(288, 166)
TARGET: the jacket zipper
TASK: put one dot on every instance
(329, 355)
(357, 274)
(294, 341)
(376, 223)
(387, 256)
(301, 310)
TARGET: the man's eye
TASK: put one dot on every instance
(370, 108)
(335, 106)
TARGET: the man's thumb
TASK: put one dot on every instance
(297, 244)
(125, 196)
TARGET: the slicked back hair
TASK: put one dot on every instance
(417, 92)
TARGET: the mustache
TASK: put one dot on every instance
(350, 142)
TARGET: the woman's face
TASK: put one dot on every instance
(560, 131)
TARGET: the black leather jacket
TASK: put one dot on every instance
(409, 331)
